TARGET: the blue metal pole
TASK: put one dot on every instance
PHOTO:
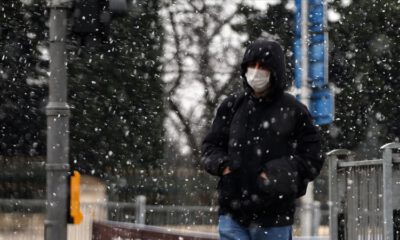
(297, 49)
(321, 99)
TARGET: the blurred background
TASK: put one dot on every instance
(143, 99)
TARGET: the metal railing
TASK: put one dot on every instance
(24, 219)
(21, 219)
(364, 195)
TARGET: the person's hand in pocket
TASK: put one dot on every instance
(226, 171)
(263, 175)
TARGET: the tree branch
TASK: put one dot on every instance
(186, 129)
(218, 28)
(177, 54)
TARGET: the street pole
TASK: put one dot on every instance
(57, 111)
(305, 89)
(303, 93)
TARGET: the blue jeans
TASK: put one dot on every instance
(229, 229)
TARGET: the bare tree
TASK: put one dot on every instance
(202, 59)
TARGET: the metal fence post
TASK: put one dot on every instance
(316, 218)
(387, 156)
(140, 209)
(333, 159)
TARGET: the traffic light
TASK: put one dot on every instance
(75, 215)
(92, 18)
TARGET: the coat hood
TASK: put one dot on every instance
(270, 54)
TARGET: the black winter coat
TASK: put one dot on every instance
(275, 134)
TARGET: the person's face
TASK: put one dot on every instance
(258, 77)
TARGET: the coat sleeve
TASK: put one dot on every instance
(307, 155)
(215, 144)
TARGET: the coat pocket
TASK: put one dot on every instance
(283, 180)
(229, 191)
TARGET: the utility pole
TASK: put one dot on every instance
(57, 110)
(58, 113)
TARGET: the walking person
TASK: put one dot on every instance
(264, 148)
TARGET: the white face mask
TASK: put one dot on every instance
(258, 79)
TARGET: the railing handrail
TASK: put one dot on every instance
(360, 163)
(23, 202)
(158, 229)
(9, 202)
